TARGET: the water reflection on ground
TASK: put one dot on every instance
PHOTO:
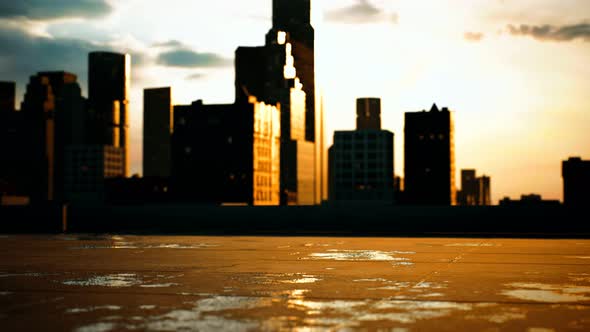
(100, 283)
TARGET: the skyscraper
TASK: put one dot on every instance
(268, 73)
(7, 94)
(576, 182)
(361, 163)
(109, 76)
(294, 18)
(368, 113)
(429, 162)
(157, 131)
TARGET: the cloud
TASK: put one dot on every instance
(473, 36)
(362, 12)
(169, 43)
(552, 33)
(23, 55)
(44, 9)
(179, 55)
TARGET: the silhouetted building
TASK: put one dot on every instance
(576, 182)
(137, 190)
(54, 117)
(86, 169)
(7, 96)
(368, 113)
(474, 190)
(361, 165)
(108, 95)
(267, 72)
(14, 157)
(429, 162)
(294, 18)
(529, 200)
(226, 154)
(157, 131)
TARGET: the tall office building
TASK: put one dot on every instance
(7, 96)
(474, 190)
(576, 182)
(14, 157)
(294, 18)
(226, 154)
(157, 131)
(368, 113)
(268, 73)
(53, 112)
(429, 162)
(361, 163)
(109, 76)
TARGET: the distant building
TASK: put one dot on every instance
(529, 200)
(87, 168)
(157, 131)
(109, 76)
(361, 164)
(576, 182)
(226, 154)
(368, 113)
(429, 162)
(268, 73)
(53, 117)
(15, 158)
(294, 18)
(474, 190)
(137, 190)
(7, 96)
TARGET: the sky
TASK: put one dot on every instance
(516, 73)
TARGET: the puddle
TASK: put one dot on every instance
(147, 307)
(169, 284)
(304, 280)
(547, 292)
(26, 274)
(90, 309)
(97, 327)
(502, 317)
(132, 245)
(361, 255)
(111, 280)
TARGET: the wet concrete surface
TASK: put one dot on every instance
(93, 283)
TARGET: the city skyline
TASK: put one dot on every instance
(518, 92)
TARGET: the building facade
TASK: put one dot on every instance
(362, 161)
(368, 113)
(109, 77)
(475, 191)
(429, 163)
(576, 181)
(157, 131)
(87, 168)
(54, 117)
(227, 154)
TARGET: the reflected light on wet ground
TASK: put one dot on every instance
(91, 283)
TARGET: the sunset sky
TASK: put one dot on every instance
(516, 72)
